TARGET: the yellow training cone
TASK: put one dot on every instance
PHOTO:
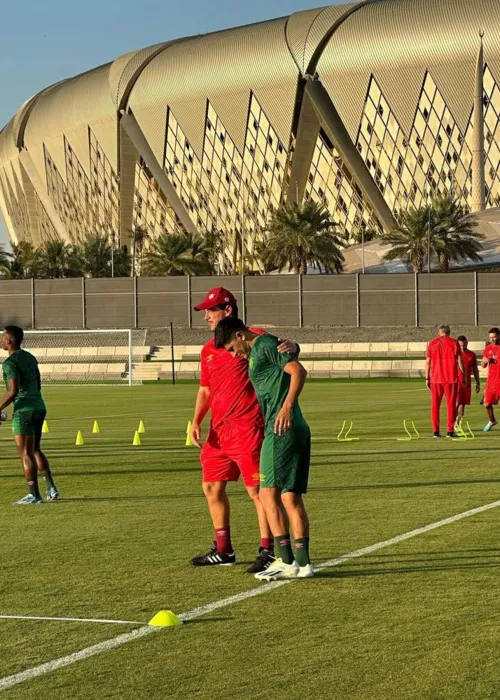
(45, 427)
(189, 442)
(96, 429)
(165, 618)
(137, 439)
(141, 429)
(79, 438)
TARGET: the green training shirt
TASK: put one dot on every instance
(23, 366)
(270, 382)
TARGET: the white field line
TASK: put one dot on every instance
(63, 661)
(70, 619)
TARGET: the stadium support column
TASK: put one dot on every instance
(130, 127)
(478, 159)
(331, 122)
(29, 173)
(307, 135)
(129, 157)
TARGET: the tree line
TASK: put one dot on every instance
(299, 237)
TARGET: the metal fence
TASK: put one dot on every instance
(468, 298)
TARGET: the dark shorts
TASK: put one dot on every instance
(285, 460)
(28, 423)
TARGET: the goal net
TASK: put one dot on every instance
(88, 357)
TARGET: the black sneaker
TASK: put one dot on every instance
(214, 558)
(263, 561)
(436, 435)
(451, 434)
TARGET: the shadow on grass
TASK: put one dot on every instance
(408, 485)
(111, 472)
(159, 497)
(458, 560)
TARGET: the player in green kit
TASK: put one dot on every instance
(22, 380)
(278, 380)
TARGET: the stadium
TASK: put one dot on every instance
(147, 410)
(210, 133)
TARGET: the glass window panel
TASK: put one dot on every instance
(434, 122)
(374, 91)
(383, 109)
(219, 148)
(491, 119)
(370, 111)
(323, 167)
(384, 162)
(495, 99)
(438, 159)
(488, 81)
(262, 141)
(429, 86)
(438, 105)
(420, 124)
(379, 128)
(264, 124)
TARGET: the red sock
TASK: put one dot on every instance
(267, 543)
(223, 539)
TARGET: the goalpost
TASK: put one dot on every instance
(88, 357)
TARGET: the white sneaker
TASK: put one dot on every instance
(28, 500)
(278, 570)
(305, 571)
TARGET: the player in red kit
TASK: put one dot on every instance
(235, 437)
(464, 383)
(491, 360)
(443, 362)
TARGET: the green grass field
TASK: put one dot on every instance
(419, 619)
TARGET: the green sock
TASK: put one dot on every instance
(283, 548)
(302, 551)
(33, 487)
(47, 477)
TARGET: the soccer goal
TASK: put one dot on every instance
(88, 357)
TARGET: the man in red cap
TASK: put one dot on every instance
(235, 438)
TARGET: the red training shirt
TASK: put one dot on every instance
(232, 396)
(470, 361)
(443, 353)
(492, 352)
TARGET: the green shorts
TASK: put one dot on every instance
(285, 460)
(28, 423)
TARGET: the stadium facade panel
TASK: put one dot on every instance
(367, 107)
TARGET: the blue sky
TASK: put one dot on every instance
(43, 42)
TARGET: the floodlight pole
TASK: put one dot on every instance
(429, 232)
(362, 250)
(243, 251)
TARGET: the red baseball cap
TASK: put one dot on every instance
(216, 297)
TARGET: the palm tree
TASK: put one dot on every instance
(409, 238)
(177, 254)
(21, 263)
(140, 235)
(214, 244)
(365, 235)
(122, 262)
(96, 255)
(56, 260)
(454, 234)
(300, 235)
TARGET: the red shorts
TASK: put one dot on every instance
(231, 450)
(464, 395)
(492, 396)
